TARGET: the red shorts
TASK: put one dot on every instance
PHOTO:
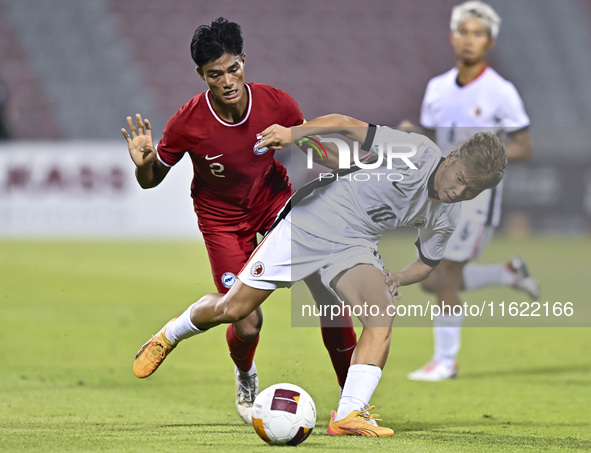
(230, 248)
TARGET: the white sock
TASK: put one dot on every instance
(182, 327)
(482, 275)
(249, 373)
(446, 335)
(361, 382)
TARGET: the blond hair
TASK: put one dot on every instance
(485, 159)
(479, 10)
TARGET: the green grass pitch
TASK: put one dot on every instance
(73, 314)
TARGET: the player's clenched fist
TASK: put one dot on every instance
(140, 144)
(275, 137)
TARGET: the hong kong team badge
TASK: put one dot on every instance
(417, 222)
(257, 269)
(259, 151)
(228, 279)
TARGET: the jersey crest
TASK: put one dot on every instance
(257, 269)
(417, 222)
(259, 151)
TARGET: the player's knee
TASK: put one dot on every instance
(232, 316)
(248, 328)
(246, 333)
(446, 288)
(232, 312)
(378, 316)
(258, 324)
(448, 278)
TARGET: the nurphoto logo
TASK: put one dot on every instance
(380, 151)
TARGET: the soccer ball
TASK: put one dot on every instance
(283, 414)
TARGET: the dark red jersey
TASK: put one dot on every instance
(230, 180)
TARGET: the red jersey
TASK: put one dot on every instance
(230, 181)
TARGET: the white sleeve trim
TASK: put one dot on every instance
(160, 159)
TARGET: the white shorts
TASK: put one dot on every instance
(289, 254)
(475, 227)
(468, 240)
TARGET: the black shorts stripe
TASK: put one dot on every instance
(491, 206)
(424, 259)
(369, 138)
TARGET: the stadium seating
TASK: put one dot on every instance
(109, 58)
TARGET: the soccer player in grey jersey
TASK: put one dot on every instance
(334, 228)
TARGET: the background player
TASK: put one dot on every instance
(468, 98)
(334, 228)
(237, 190)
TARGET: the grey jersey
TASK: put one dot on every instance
(361, 204)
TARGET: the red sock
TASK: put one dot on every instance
(241, 352)
(340, 340)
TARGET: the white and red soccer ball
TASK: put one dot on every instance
(283, 414)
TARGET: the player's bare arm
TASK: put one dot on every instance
(413, 273)
(519, 146)
(150, 171)
(279, 137)
(409, 126)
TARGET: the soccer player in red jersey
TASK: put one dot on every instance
(237, 189)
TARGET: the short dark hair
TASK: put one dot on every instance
(210, 42)
(485, 158)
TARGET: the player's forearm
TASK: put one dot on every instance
(149, 176)
(333, 156)
(413, 273)
(520, 147)
(145, 177)
(331, 124)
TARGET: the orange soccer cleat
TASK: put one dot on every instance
(153, 353)
(358, 423)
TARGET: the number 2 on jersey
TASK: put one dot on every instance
(216, 169)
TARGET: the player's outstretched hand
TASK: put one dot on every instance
(140, 144)
(275, 137)
(392, 283)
